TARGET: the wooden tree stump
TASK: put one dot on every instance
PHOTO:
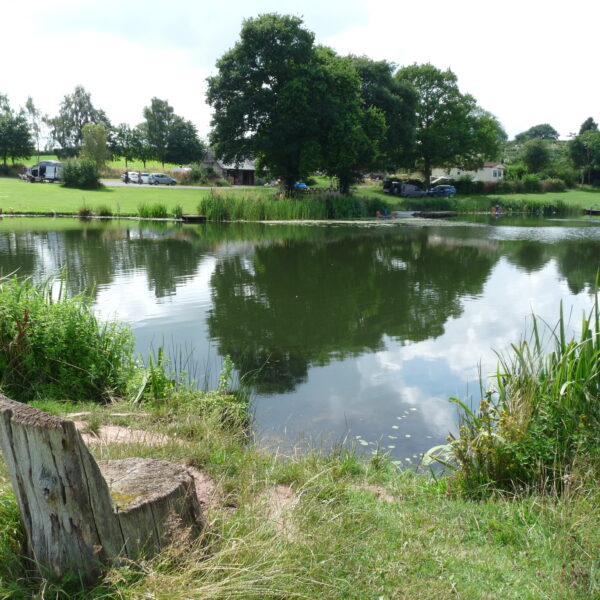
(74, 521)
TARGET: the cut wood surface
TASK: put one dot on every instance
(72, 523)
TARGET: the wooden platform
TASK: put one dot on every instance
(193, 218)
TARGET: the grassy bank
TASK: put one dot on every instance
(262, 203)
(335, 526)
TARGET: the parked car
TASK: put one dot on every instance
(134, 177)
(442, 190)
(156, 178)
(128, 176)
(406, 190)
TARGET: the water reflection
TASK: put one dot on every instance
(346, 330)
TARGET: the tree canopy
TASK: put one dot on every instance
(15, 134)
(451, 130)
(543, 131)
(76, 110)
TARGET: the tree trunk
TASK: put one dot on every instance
(66, 503)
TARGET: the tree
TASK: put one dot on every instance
(15, 135)
(140, 145)
(588, 125)
(183, 144)
(535, 155)
(397, 103)
(351, 131)
(267, 100)
(123, 142)
(543, 131)
(585, 153)
(159, 118)
(451, 130)
(35, 118)
(95, 145)
(76, 110)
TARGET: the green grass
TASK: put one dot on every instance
(576, 200)
(21, 197)
(358, 529)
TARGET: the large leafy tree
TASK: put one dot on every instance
(268, 97)
(15, 134)
(140, 145)
(351, 131)
(159, 117)
(585, 153)
(183, 144)
(535, 155)
(543, 131)
(396, 101)
(76, 110)
(451, 130)
(588, 125)
(171, 138)
(122, 142)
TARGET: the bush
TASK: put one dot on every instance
(56, 348)
(12, 170)
(83, 175)
(531, 183)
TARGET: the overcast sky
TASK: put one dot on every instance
(526, 61)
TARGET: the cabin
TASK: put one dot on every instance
(490, 172)
(241, 173)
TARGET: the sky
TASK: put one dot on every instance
(527, 61)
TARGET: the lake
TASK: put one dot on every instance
(356, 332)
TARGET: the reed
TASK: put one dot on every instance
(538, 427)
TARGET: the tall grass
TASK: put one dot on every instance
(54, 346)
(234, 207)
(153, 211)
(539, 426)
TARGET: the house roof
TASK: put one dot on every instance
(493, 164)
(245, 165)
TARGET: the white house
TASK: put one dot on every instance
(491, 171)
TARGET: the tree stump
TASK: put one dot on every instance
(74, 521)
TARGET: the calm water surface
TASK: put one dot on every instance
(359, 332)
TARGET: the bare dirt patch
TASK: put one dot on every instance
(116, 434)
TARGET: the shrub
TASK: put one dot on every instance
(531, 183)
(12, 170)
(80, 174)
(84, 212)
(57, 348)
(178, 211)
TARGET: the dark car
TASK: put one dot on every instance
(442, 190)
(156, 178)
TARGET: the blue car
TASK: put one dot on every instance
(442, 190)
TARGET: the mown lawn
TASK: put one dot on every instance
(21, 197)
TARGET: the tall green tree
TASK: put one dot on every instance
(588, 125)
(544, 131)
(95, 145)
(76, 110)
(585, 153)
(36, 119)
(535, 155)
(351, 131)
(451, 130)
(396, 101)
(122, 142)
(159, 118)
(267, 100)
(15, 134)
(183, 144)
(140, 144)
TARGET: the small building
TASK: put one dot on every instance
(241, 173)
(490, 172)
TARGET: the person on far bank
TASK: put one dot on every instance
(139, 177)
(126, 178)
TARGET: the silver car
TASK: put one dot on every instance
(156, 178)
